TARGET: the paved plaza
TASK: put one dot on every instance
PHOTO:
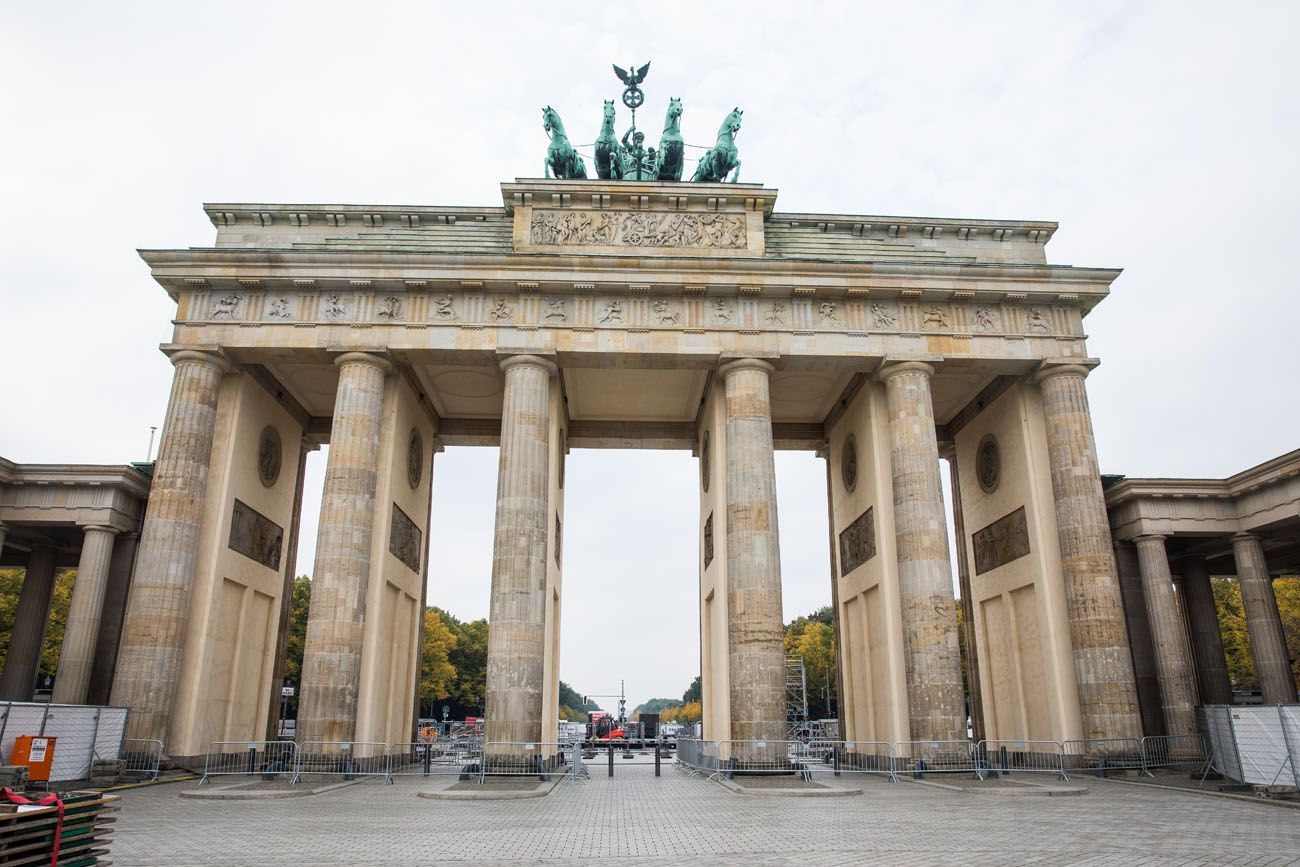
(637, 819)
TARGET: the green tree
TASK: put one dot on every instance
(1287, 591)
(694, 692)
(299, 605)
(1236, 640)
(437, 674)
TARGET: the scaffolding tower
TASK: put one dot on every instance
(796, 699)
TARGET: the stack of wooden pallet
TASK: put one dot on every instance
(29, 837)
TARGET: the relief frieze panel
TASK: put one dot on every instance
(255, 536)
(404, 539)
(999, 543)
(858, 542)
(569, 228)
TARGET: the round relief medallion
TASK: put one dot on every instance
(268, 456)
(849, 463)
(704, 462)
(988, 464)
(414, 458)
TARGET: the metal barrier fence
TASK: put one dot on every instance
(696, 757)
(1173, 751)
(346, 759)
(462, 758)
(919, 758)
(1255, 745)
(267, 759)
(84, 733)
(141, 757)
(534, 759)
(756, 757)
(1099, 755)
(997, 757)
(849, 757)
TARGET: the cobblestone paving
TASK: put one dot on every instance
(636, 819)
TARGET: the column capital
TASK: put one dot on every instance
(1244, 538)
(1053, 367)
(100, 528)
(531, 360)
(212, 359)
(376, 361)
(747, 363)
(892, 366)
(1150, 537)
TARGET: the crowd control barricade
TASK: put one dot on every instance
(84, 733)
(850, 757)
(696, 757)
(267, 759)
(996, 757)
(1099, 755)
(1256, 745)
(755, 757)
(141, 757)
(527, 759)
(918, 758)
(462, 758)
(347, 760)
(1173, 751)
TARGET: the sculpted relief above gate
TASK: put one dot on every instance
(569, 228)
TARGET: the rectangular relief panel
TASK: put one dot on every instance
(999, 543)
(404, 539)
(255, 536)
(858, 542)
(708, 541)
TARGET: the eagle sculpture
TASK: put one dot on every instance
(633, 78)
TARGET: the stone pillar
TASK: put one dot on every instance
(756, 654)
(936, 706)
(153, 634)
(1267, 641)
(286, 595)
(1139, 639)
(27, 640)
(517, 611)
(1173, 667)
(331, 662)
(77, 657)
(1103, 667)
(967, 603)
(110, 623)
(836, 623)
(1207, 641)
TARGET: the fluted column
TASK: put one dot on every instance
(331, 662)
(1139, 638)
(1173, 668)
(77, 657)
(1103, 667)
(116, 593)
(1207, 641)
(153, 634)
(936, 706)
(756, 655)
(966, 601)
(27, 639)
(517, 612)
(1267, 641)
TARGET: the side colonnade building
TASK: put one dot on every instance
(621, 314)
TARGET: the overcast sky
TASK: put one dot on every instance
(1162, 137)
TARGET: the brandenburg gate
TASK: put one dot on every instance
(612, 313)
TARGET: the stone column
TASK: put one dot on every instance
(1103, 667)
(1173, 668)
(756, 654)
(77, 657)
(1139, 639)
(1267, 641)
(27, 640)
(110, 623)
(153, 634)
(967, 602)
(331, 661)
(936, 706)
(1207, 641)
(308, 446)
(517, 611)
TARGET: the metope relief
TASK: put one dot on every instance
(882, 316)
(985, 318)
(255, 536)
(404, 539)
(1037, 322)
(638, 229)
(555, 311)
(665, 314)
(858, 542)
(934, 316)
(999, 543)
(443, 309)
(389, 307)
(278, 308)
(333, 307)
(226, 306)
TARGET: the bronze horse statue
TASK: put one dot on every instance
(672, 150)
(562, 161)
(723, 156)
(609, 165)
